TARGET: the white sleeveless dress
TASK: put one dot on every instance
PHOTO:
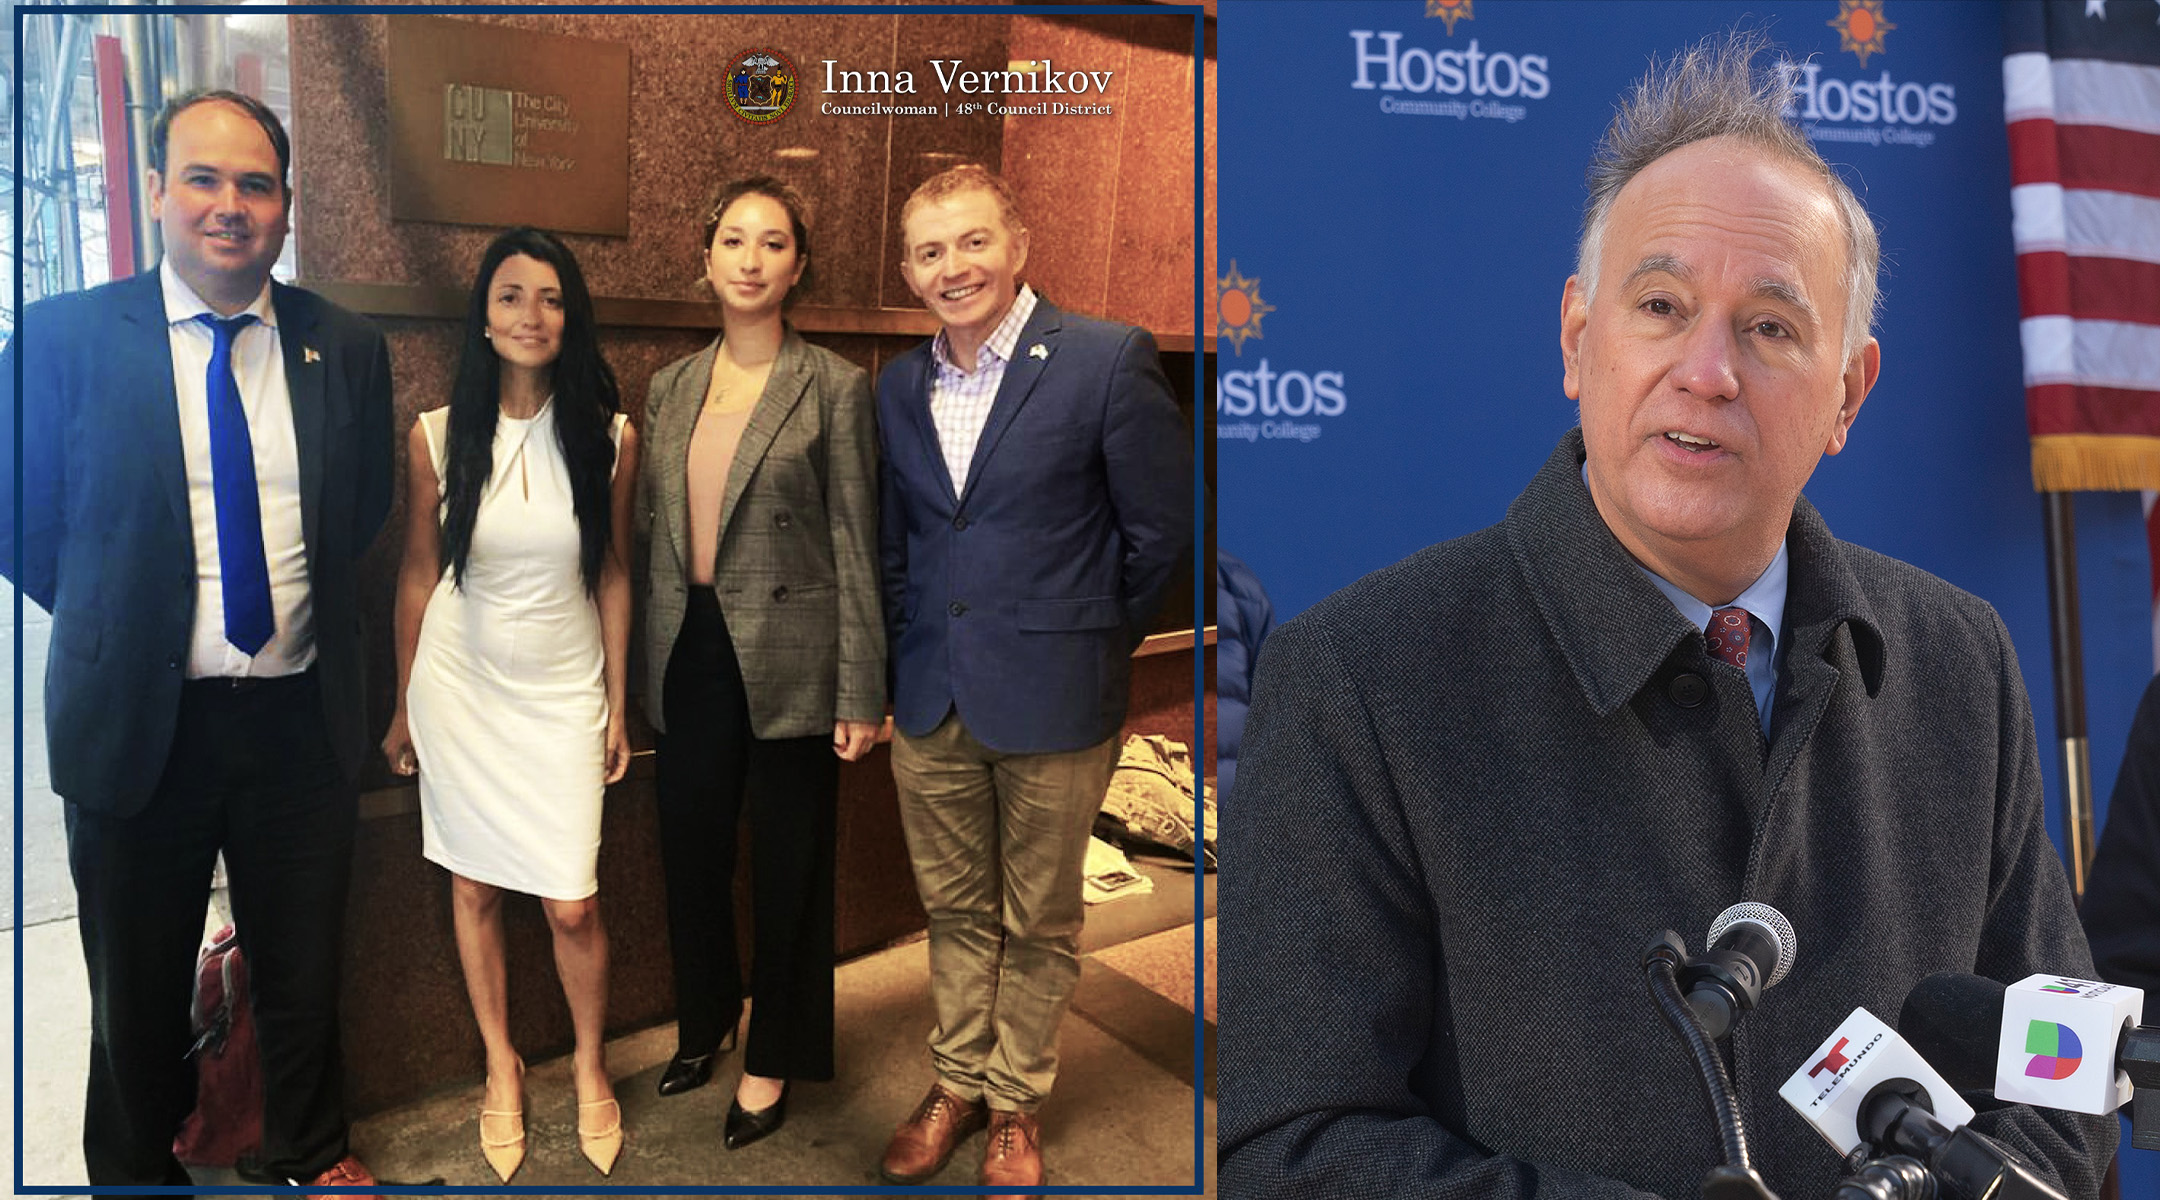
(507, 706)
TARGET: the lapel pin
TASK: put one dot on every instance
(1038, 350)
(308, 354)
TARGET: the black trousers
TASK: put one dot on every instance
(251, 773)
(706, 766)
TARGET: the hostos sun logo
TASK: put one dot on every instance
(1238, 308)
(1450, 11)
(1861, 26)
(2055, 1049)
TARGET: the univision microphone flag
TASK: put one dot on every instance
(2081, 97)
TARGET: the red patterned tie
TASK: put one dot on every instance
(1728, 636)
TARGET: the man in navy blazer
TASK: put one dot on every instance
(205, 456)
(1035, 493)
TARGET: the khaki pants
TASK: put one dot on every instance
(998, 843)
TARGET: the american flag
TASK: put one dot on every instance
(2081, 96)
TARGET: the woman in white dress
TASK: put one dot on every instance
(513, 626)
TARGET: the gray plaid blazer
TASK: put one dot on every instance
(797, 565)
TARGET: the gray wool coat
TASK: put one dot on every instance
(1471, 792)
(796, 571)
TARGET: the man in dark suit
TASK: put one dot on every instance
(1475, 783)
(205, 456)
(1036, 492)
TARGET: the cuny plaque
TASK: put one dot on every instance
(495, 126)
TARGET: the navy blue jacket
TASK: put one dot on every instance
(1243, 618)
(108, 548)
(1019, 602)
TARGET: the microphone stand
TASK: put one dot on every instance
(1736, 1178)
(1895, 1177)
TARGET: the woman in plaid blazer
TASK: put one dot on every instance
(765, 648)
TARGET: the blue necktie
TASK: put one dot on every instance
(245, 572)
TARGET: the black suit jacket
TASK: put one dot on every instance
(107, 546)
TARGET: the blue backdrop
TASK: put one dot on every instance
(1402, 250)
(1403, 381)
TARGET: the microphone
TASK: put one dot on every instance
(1866, 1088)
(1861, 1060)
(1751, 948)
(1736, 1177)
(1954, 1018)
(2050, 1041)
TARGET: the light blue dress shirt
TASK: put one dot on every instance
(1764, 601)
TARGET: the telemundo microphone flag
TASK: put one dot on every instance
(2081, 98)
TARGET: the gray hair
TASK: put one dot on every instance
(1713, 89)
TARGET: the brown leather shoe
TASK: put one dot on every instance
(346, 1172)
(925, 1142)
(1012, 1156)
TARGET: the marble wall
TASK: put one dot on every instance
(1105, 196)
(1107, 199)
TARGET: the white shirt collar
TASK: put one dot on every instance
(1002, 340)
(182, 303)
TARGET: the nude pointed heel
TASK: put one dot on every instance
(504, 1145)
(505, 1153)
(601, 1146)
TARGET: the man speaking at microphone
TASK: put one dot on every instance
(1476, 783)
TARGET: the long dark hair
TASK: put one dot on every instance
(586, 401)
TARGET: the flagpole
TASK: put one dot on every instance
(2067, 642)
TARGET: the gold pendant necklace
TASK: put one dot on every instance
(733, 389)
(723, 400)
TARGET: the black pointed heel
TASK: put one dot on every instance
(689, 1072)
(745, 1127)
